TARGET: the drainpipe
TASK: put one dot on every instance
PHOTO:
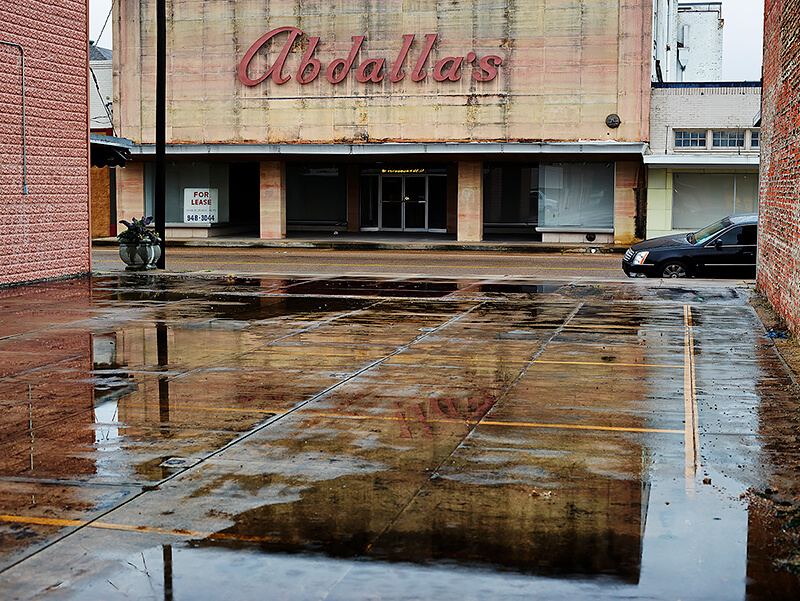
(24, 161)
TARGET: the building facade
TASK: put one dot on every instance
(101, 89)
(469, 119)
(687, 41)
(704, 153)
(44, 140)
(779, 214)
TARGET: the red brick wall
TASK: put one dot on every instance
(44, 234)
(779, 213)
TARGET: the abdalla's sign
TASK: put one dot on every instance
(375, 70)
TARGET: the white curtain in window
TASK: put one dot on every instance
(702, 198)
(576, 195)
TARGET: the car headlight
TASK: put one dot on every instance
(639, 258)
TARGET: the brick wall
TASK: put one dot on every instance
(45, 233)
(779, 214)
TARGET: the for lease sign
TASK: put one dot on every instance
(200, 205)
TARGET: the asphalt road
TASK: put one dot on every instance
(319, 262)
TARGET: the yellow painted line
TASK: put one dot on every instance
(606, 363)
(615, 327)
(17, 519)
(301, 352)
(195, 408)
(691, 437)
(579, 427)
(543, 361)
(353, 416)
(446, 358)
(41, 521)
(442, 358)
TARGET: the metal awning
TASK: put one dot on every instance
(108, 151)
(702, 161)
(399, 149)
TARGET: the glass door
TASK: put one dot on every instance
(415, 205)
(404, 200)
(392, 202)
(404, 205)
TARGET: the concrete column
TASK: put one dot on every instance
(130, 193)
(272, 200)
(627, 178)
(470, 201)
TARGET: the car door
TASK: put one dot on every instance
(747, 243)
(731, 254)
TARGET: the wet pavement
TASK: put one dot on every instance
(169, 437)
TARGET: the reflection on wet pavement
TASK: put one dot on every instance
(398, 439)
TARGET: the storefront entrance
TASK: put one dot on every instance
(403, 203)
(404, 200)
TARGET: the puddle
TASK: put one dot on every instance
(456, 448)
(400, 289)
(500, 288)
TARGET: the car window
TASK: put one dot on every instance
(749, 236)
(739, 236)
(731, 237)
(710, 231)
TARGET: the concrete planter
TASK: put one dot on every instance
(141, 256)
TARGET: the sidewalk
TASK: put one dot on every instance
(384, 241)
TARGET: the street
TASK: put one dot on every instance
(324, 262)
(459, 429)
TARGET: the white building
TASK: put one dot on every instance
(687, 41)
(704, 154)
(101, 88)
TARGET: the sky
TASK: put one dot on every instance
(741, 46)
(742, 38)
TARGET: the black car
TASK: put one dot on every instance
(726, 248)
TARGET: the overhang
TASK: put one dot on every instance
(400, 149)
(702, 161)
(109, 151)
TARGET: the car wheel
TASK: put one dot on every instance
(674, 269)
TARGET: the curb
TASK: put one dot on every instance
(368, 245)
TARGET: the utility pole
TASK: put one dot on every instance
(161, 127)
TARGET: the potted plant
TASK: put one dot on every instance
(139, 247)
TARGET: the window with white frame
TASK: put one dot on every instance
(736, 140)
(728, 139)
(690, 139)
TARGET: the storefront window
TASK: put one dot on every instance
(510, 194)
(205, 181)
(316, 195)
(701, 198)
(369, 200)
(576, 195)
(437, 202)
